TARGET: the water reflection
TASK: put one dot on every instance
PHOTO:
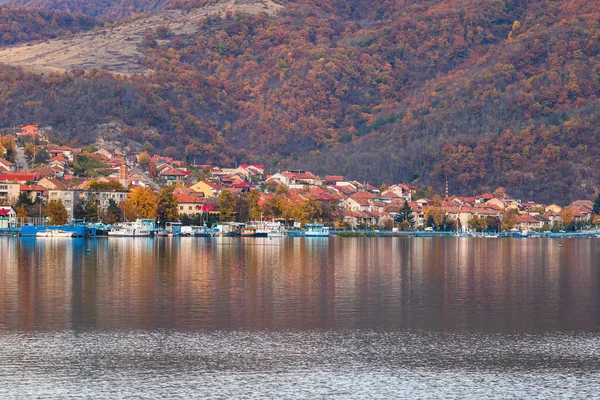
(278, 284)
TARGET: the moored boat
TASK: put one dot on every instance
(196, 231)
(271, 229)
(228, 229)
(139, 228)
(316, 230)
(54, 233)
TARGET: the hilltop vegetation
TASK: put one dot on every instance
(480, 93)
(25, 25)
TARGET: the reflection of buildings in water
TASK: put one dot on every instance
(36, 282)
(259, 283)
(9, 275)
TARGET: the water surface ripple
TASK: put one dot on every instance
(299, 318)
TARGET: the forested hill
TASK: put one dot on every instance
(483, 93)
(25, 25)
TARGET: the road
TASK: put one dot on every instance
(20, 159)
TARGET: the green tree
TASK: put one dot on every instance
(167, 206)
(23, 200)
(226, 206)
(405, 214)
(56, 213)
(41, 157)
(107, 186)
(113, 212)
(596, 209)
(241, 207)
(90, 210)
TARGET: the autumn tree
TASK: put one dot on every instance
(436, 216)
(272, 207)
(477, 224)
(152, 171)
(141, 203)
(281, 189)
(167, 206)
(56, 213)
(254, 210)
(567, 217)
(8, 145)
(21, 212)
(226, 203)
(509, 220)
(500, 193)
(310, 211)
(144, 159)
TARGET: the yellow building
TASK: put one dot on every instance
(207, 188)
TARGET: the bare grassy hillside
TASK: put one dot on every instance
(117, 49)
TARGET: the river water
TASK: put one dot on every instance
(359, 318)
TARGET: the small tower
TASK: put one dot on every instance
(123, 176)
(446, 187)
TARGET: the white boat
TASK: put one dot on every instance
(228, 229)
(271, 229)
(316, 230)
(139, 228)
(54, 233)
(195, 230)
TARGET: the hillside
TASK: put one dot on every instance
(118, 48)
(26, 25)
(480, 93)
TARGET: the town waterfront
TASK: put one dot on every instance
(299, 317)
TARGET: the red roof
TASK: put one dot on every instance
(525, 219)
(362, 195)
(186, 198)
(18, 176)
(32, 188)
(4, 212)
(173, 172)
(241, 184)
